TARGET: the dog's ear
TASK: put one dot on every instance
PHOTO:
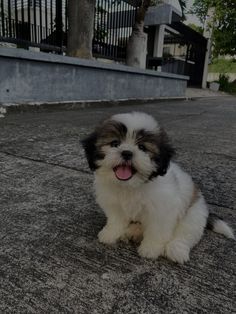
(89, 145)
(166, 152)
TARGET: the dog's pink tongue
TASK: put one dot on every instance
(123, 172)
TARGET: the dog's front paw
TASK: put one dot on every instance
(150, 250)
(177, 251)
(107, 236)
(134, 232)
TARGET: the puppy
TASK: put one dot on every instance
(145, 196)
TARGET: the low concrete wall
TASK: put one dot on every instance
(27, 77)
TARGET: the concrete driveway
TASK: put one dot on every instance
(50, 259)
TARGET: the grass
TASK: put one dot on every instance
(223, 66)
(225, 85)
(232, 88)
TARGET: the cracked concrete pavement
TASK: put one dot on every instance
(50, 259)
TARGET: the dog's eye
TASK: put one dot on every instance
(115, 143)
(142, 147)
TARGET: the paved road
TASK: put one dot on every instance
(50, 259)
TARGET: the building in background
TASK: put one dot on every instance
(172, 46)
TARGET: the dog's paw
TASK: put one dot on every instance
(177, 251)
(134, 232)
(150, 250)
(107, 236)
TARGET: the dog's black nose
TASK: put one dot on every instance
(127, 154)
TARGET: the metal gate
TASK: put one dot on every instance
(186, 54)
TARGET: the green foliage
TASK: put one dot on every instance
(155, 2)
(223, 81)
(200, 8)
(232, 88)
(223, 66)
(225, 85)
(224, 33)
(197, 28)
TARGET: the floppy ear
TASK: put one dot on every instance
(166, 152)
(89, 145)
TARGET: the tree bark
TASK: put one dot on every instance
(137, 44)
(80, 28)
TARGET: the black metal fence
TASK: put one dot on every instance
(112, 27)
(44, 24)
(38, 23)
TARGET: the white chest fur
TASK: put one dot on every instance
(123, 199)
(131, 204)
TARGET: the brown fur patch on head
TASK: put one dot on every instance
(158, 147)
(149, 140)
(109, 131)
(104, 134)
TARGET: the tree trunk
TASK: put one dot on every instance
(137, 44)
(80, 28)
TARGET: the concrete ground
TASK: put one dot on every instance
(200, 92)
(50, 258)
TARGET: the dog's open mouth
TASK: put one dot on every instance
(124, 171)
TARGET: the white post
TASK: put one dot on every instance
(208, 28)
(159, 41)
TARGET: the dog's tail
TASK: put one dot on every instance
(217, 224)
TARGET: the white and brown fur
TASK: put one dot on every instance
(159, 205)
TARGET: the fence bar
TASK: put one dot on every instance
(66, 16)
(3, 17)
(59, 23)
(16, 19)
(51, 21)
(9, 18)
(40, 20)
(29, 19)
(106, 30)
(22, 14)
(35, 22)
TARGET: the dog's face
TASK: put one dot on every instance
(128, 149)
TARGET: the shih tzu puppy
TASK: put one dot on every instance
(145, 196)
